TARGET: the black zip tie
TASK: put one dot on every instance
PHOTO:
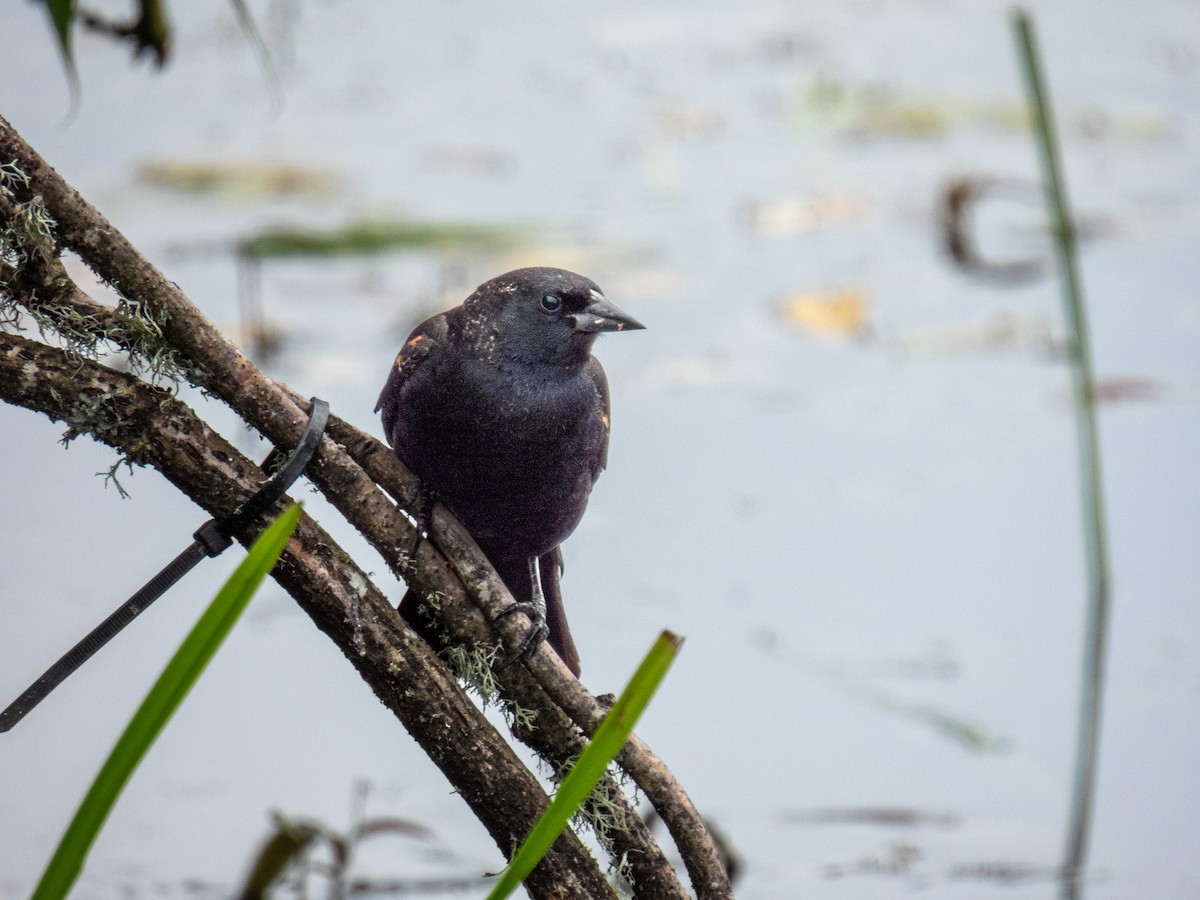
(211, 539)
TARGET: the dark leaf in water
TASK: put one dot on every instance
(394, 826)
(287, 844)
(340, 850)
(1120, 390)
(959, 232)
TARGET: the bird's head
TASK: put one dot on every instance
(543, 316)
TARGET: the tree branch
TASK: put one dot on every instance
(153, 428)
(566, 693)
(163, 332)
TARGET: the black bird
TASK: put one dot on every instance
(502, 412)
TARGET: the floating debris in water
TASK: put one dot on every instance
(888, 816)
(1004, 332)
(471, 161)
(835, 313)
(1127, 389)
(250, 180)
(895, 859)
(378, 236)
(787, 217)
(874, 110)
(1004, 872)
(959, 233)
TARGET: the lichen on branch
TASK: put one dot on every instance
(165, 338)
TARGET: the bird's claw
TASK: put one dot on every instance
(534, 638)
(422, 516)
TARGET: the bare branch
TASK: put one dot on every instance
(153, 428)
(672, 804)
(347, 469)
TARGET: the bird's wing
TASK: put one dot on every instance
(424, 339)
(596, 373)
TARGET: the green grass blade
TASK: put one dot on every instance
(605, 744)
(1087, 438)
(62, 20)
(161, 702)
(62, 17)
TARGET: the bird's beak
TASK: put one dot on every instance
(600, 315)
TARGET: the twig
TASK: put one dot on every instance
(670, 800)
(339, 472)
(155, 429)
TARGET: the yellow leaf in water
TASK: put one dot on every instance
(236, 179)
(828, 313)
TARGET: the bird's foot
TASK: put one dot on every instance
(536, 610)
(534, 638)
(422, 516)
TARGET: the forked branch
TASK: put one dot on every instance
(165, 335)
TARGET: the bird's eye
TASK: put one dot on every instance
(551, 303)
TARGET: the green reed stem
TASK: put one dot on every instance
(1092, 492)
